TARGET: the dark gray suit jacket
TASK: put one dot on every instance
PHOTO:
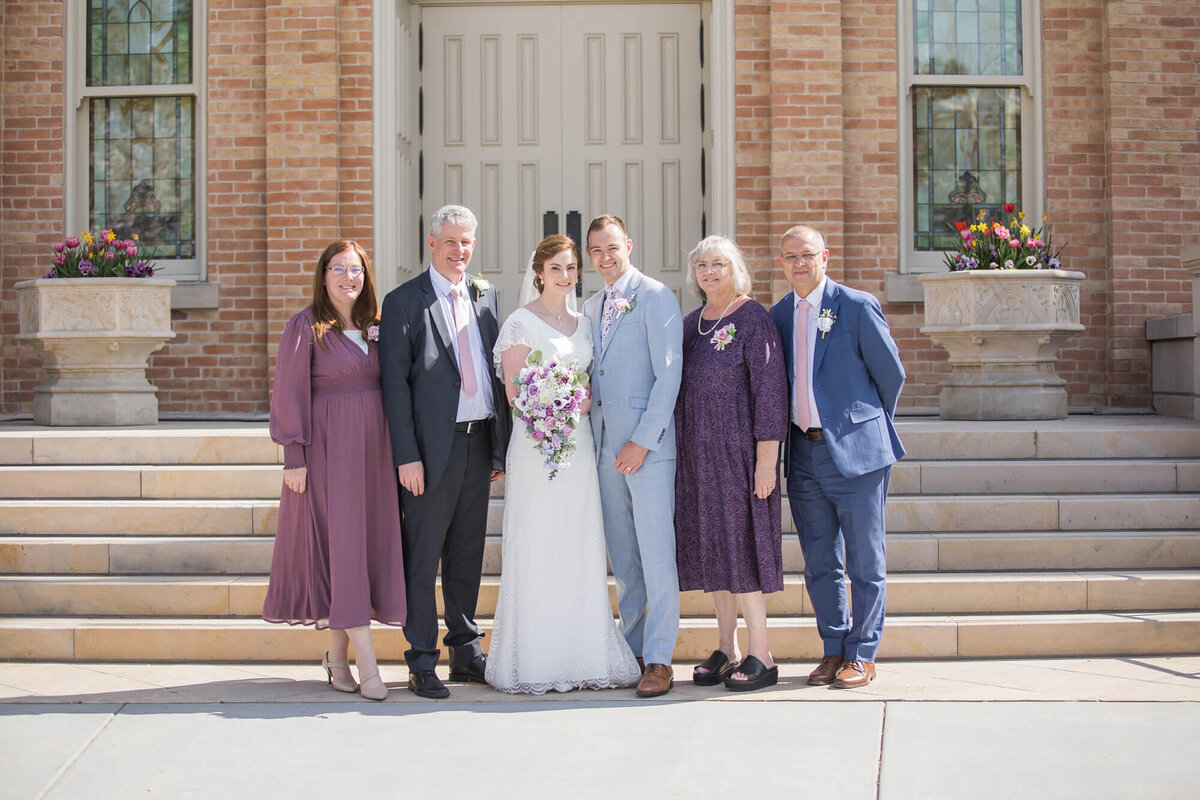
(420, 375)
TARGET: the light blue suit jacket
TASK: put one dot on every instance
(857, 377)
(636, 374)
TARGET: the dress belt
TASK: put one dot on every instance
(812, 434)
(345, 387)
(471, 426)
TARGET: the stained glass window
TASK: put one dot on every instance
(139, 42)
(142, 158)
(967, 37)
(966, 132)
(966, 158)
(141, 148)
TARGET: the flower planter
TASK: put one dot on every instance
(1002, 329)
(95, 335)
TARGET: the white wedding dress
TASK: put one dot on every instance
(554, 628)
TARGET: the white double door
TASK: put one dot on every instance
(541, 117)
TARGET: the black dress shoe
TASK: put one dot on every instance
(425, 683)
(471, 672)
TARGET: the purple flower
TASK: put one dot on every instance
(51, 274)
(1055, 263)
(86, 269)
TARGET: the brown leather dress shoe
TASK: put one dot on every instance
(657, 680)
(826, 672)
(855, 674)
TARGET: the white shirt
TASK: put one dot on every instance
(358, 337)
(814, 302)
(480, 406)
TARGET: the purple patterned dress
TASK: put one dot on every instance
(725, 537)
(338, 560)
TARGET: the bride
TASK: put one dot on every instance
(554, 627)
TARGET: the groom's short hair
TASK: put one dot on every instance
(459, 216)
(603, 221)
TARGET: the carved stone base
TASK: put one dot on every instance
(96, 335)
(1002, 329)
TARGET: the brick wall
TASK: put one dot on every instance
(31, 175)
(289, 169)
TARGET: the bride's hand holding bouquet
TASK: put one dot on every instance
(550, 399)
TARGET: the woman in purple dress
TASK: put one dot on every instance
(730, 419)
(338, 561)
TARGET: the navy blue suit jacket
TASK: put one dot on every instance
(857, 377)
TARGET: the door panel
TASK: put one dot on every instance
(565, 109)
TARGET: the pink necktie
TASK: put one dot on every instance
(802, 414)
(610, 313)
(466, 364)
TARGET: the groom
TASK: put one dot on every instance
(637, 333)
(448, 419)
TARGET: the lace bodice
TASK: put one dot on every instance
(523, 327)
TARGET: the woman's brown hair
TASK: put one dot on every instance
(365, 311)
(547, 249)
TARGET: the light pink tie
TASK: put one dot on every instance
(466, 364)
(609, 314)
(803, 419)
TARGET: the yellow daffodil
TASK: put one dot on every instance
(1025, 231)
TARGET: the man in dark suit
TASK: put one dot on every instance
(449, 423)
(846, 377)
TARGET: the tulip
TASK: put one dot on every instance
(58, 246)
(1009, 208)
(72, 242)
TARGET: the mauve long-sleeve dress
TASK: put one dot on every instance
(726, 539)
(338, 559)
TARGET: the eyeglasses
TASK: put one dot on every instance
(803, 258)
(715, 266)
(353, 272)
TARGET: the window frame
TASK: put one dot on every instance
(1032, 201)
(76, 132)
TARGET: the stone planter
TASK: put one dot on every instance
(95, 335)
(1003, 329)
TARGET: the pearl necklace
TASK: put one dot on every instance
(700, 318)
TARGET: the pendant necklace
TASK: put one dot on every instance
(700, 318)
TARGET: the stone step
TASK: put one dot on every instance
(932, 513)
(167, 443)
(908, 593)
(955, 636)
(263, 481)
(177, 442)
(206, 481)
(906, 552)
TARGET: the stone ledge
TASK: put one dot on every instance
(1177, 327)
(196, 295)
(903, 288)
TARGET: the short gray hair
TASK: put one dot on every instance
(459, 216)
(728, 251)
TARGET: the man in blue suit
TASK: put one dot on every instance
(845, 376)
(637, 332)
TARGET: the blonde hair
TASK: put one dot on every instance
(729, 251)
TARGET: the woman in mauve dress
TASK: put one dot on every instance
(338, 561)
(730, 419)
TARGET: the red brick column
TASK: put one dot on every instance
(31, 175)
(1152, 68)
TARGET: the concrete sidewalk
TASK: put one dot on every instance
(922, 730)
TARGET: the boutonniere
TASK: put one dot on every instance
(724, 337)
(825, 321)
(479, 285)
(623, 305)
(372, 333)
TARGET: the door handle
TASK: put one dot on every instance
(575, 230)
(549, 223)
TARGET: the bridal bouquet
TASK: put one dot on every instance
(547, 401)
